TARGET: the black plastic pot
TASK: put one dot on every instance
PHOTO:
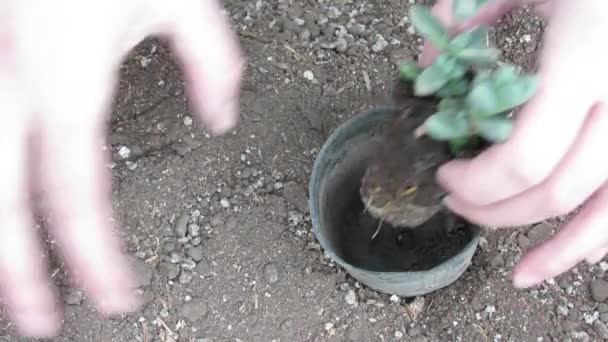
(336, 175)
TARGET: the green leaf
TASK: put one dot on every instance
(450, 65)
(430, 80)
(409, 70)
(482, 101)
(505, 74)
(454, 88)
(464, 9)
(445, 126)
(429, 27)
(434, 77)
(517, 92)
(458, 144)
(495, 129)
(481, 55)
(473, 38)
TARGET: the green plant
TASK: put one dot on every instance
(476, 91)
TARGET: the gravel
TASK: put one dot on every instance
(196, 253)
(599, 290)
(600, 329)
(194, 310)
(169, 271)
(351, 297)
(185, 277)
(181, 225)
(271, 273)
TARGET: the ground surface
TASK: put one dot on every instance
(218, 227)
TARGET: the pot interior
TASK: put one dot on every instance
(348, 228)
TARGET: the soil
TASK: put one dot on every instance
(372, 244)
(248, 267)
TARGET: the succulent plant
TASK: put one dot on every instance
(476, 91)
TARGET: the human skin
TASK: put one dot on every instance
(59, 64)
(555, 160)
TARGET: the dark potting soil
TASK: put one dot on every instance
(397, 249)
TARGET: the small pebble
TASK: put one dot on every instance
(194, 230)
(175, 258)
(196, 253)
(194, 310)
(216, 220)
(380, 44)
(185, 278)
(600, 329)
(580, 336)
(351, 297)
(395, 299)
(181, 225)
(188, 120)
(476, 304)
(170, 271)
(271, 273)
(308, 75)
(562, 310)
(225, 203)
(124, 152)
(599, 290)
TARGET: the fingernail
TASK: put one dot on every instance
(523, 280)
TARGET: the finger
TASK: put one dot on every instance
(74, 102)
(597, 256)
(442, 10)
(581, 237)
(212, 63)
(582, 171)
(545, 128)
(24, 285)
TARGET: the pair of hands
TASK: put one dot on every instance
(59, 62)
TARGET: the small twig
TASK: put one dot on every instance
(165, 326)
(378, 229)
(144, 328)
(368, 83)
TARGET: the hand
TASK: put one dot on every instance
(556, 158)
(59, 62)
